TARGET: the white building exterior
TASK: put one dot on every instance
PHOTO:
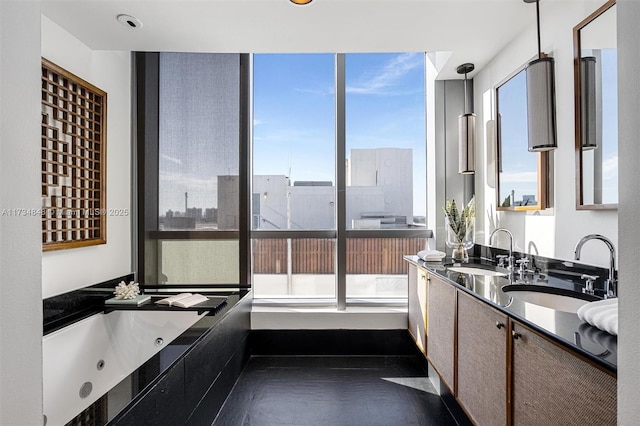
(380, 194)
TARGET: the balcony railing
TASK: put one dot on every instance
(317, 256)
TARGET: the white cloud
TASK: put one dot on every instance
(383, 81)
(171, 159)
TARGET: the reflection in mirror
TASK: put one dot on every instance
(520, 183)
(596, 110)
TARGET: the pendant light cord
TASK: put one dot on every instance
(465, 92)
(538, 26)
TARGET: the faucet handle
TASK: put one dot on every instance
(524, 262)
(588, 287)
(501, 258)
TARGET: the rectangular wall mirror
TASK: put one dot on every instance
(596, 110)
(521, 175)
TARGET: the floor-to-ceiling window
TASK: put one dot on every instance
(190, 168)
(316, 200)
(339, 179)
(293, 182)
(386, 170)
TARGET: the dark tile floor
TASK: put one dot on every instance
(333, 390)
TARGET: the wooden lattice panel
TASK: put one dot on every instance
(73, 160)
(94, 415)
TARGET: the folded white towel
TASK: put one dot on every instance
(431, 255)
(602, 314)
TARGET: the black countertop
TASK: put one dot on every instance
(563, 327)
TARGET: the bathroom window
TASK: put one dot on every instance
(198, 145)
(189, 166)
(339, 179)
(311, 187)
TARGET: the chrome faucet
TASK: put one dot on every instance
(611, 283)
(510, 258)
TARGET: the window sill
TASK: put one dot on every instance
(328, 318)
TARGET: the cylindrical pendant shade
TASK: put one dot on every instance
(541, 106)
(467, 143)
(588, 103)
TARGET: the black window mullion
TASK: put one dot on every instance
(341, 196)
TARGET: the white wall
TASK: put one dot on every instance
(554, 232)
(66, 270)
(20, 274)
(556, 235)
(629, 128)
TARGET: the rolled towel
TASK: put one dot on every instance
(431, 255)
(607, 320)
(602, 314)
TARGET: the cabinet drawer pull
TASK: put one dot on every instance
(499, 325)
(515, 335)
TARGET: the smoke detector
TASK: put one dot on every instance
(129, 21)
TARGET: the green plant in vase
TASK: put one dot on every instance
(460, 227)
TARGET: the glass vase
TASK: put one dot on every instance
(462, 241)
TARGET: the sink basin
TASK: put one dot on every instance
(549, 297)
(476, 271)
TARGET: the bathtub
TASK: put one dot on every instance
(83, 361)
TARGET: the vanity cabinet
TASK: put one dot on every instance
(417, 307)
(441, 313)
(500, 370)
(482, 361)
(550, 385)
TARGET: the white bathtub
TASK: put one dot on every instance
(120, 340)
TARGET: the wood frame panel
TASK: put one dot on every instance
(73, 143)
(481, 373)
(441, 329)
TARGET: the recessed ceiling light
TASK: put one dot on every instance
(129, 21)
(300, 1)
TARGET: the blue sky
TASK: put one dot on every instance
(519, 167)
(294, 108)
(609, 126)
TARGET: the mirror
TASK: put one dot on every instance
(521, 175)
(596, 110)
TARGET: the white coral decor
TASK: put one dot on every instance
(127, 291)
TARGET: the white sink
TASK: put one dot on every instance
(476, 271)
(549, 297)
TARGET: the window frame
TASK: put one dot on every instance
(341, 234)
(145, 201)
(145, 157)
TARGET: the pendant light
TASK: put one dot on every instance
(588, 131)
(541, 106)
(466, 131)
(301, 2)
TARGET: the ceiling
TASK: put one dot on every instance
(472, 30)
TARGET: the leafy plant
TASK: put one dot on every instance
(459, 221)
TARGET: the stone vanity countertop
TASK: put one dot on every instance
(563, 327)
